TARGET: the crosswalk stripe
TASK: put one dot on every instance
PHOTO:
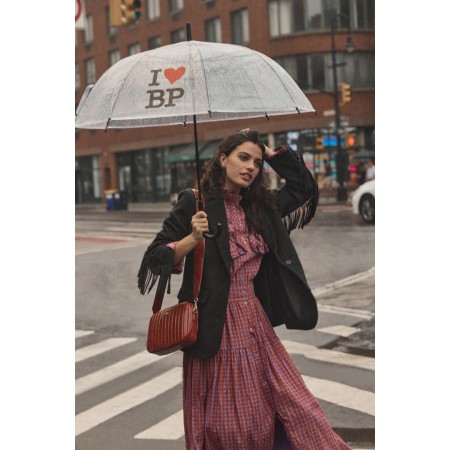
(81, 333)
(100, 347)
(114, 371)
(344, 282)
(322, 354)
(361, 314)
(339, 330)
(123, 402)
(171, 428)
(341, 394)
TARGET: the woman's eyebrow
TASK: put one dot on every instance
(248, 154)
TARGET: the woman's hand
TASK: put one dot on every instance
(199, 224)
(268, 152)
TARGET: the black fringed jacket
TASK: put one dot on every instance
(280, 284)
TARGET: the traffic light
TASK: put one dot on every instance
(346, 93)
(124, 12)
(350, 140)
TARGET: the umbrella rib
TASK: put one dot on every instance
(275, 72)
(121, 84)
(204, 76)
(256, 90)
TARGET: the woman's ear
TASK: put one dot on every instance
(222, 159)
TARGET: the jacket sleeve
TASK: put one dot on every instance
(298, 198)
(157, 262)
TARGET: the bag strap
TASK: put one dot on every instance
(199, 253)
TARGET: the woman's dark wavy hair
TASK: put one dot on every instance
(254, 198)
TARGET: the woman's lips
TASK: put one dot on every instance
(246, 176)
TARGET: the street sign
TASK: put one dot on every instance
(80, 14)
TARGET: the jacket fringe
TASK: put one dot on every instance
(148, 276)
(303, 214)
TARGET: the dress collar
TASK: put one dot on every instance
(234, 199)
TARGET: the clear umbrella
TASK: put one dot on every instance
(188, 82)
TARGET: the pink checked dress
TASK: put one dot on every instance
(231, 400)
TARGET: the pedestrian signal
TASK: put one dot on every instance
(319, 143)
(124, 12)
(346, 93)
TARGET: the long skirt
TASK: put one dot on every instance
(248, 390)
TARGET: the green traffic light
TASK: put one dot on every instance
(136, 15)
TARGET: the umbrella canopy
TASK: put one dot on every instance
(171, 84)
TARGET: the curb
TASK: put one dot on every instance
(357, 435)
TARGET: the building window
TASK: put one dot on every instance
(77, 76)
(213, 30)
(291, 16)
(239, 27)
(154, 42)
(114, 56)
(112, 31)
(90, 71)
(365, 14)
(177, 36)
(175, 5)
(153, 9)
(89, 30)
(313, 71)
(134, 48)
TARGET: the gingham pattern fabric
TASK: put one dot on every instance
(231, 401)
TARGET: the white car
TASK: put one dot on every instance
(363, 201)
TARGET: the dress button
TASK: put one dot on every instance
(251, 330)
(289, 261)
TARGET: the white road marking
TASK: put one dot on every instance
(362, 314)
(341, 394)
(81, 333)
(100, 347)
(339, 330)
(322, 354)
(114, 371)
(129, 399)
(344, 282)
(171, 428)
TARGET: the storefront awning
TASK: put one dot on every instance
(187, 152)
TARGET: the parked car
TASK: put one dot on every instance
(363, 201)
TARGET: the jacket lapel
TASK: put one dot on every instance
(215, 208)
(267, 233)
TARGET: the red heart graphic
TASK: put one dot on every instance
(174, 74)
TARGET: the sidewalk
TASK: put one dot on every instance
(166, 206)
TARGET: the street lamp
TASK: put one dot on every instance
(341, 157)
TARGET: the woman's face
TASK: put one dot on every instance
(242, 166)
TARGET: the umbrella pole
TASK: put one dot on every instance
(197, 163)
(197, 159)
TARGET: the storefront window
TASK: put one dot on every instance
(87, 180)
(145, 175)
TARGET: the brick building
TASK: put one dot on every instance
(150, 163)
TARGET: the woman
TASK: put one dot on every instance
(238, 379)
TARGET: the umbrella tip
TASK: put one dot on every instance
(107, 124)
(267, 117)
(210, 113)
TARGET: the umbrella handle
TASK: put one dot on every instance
(214, 235)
